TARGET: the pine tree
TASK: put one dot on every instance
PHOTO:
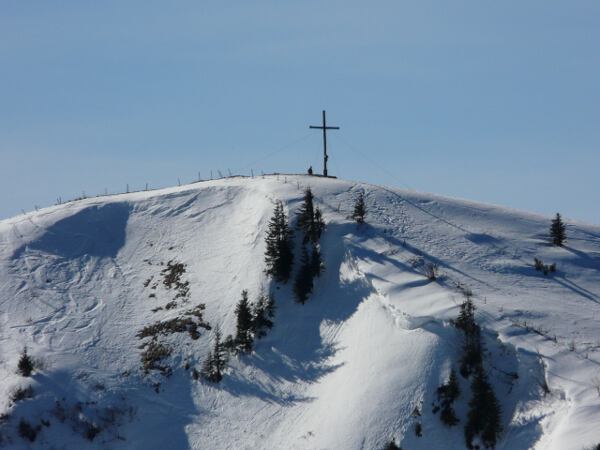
(263, 312)
(219, 353)
(484, 414)
(453, 389)
(448, 393)
(214, 365)
(278, 254)
(471, 357)
(303, 284)
(558, 231)
(244, 337)
(208, 371)
(310, 219)
(466, 317)
(229, 344)
(306, 216)
(360, 210)
(25, 365)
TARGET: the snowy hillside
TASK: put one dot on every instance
(356, 366)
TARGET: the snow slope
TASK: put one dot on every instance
(347, 370)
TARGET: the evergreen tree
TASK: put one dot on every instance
(25, 365)
(229, 344)
(278, 254)
(303, 284)
(452, 387)
(472, 353)
(558, 231)
(208, 372)
(483, 418)
(466, 317)
(214, 365)
(471, 358)
(244, 337)
(360, 210)
(310, 219)
(263, 312)
(448, 393)
(306, 215)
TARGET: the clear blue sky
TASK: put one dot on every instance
(490, 101)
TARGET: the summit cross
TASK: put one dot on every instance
(324, 127)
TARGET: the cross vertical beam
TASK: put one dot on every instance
(324, 127)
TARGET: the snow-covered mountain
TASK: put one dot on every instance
(356, 366)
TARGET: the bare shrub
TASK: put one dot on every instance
(27, 431)
(431, 271)
(21, 393)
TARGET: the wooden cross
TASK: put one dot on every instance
(324, 127)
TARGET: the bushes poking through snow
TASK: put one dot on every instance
(392, 446)
(85, 418)
(21, 393)
(90, 431)
(154, 352)
(419, 429)
(172, 274)
(27, 431)
(182, 324)
(431, 271)
(539, 265)
(191, 321)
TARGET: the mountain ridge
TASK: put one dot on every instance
(332, 373)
